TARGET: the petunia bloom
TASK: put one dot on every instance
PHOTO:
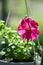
(28, 28)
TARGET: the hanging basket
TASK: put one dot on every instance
(42, 58)
(19, 63)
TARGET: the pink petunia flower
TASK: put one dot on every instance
(28, 28)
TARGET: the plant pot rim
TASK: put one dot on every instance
(14, 62)
(3, 62)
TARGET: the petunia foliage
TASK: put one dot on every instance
(17, 45)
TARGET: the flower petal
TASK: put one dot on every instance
(27, 35)
(21, 30)
(34, 24)
(35, 33)
(24, 24)
(31, 22)
(24, 36)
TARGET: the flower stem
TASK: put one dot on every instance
(27, 41)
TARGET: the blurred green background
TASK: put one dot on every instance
(15, 10)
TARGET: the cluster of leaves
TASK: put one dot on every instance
(12, 45)
(2, 26)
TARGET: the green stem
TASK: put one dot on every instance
(27, 41)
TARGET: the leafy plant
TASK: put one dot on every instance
(12, 46)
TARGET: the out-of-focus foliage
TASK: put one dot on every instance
(2, 26)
